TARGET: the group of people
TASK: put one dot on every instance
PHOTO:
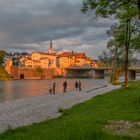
(77, 87)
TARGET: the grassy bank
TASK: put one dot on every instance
(3, 73)
(88, 121)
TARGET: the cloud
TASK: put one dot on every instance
(29, 25)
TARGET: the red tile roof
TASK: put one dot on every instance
(70, 54)
(44, 53)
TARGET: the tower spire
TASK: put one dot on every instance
(51, 44)
(51, 48)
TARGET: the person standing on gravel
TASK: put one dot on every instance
(79, 85)
(76, 85)
(50, 91)
(65, 86)
(53, 88)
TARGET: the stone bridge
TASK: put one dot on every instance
(99, 73)
(96, 73)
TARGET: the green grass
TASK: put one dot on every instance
(86, 121)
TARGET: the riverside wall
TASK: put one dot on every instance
(32, 73)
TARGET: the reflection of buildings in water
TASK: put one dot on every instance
(8, 89)
(19, 89)
(57, 59)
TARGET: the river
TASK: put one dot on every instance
(17, 89)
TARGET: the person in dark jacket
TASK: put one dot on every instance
(65, 86)
(76, 85)
(53, 88)
(79, 85)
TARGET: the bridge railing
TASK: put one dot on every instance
(134, 67)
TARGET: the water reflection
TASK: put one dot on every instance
(10, 90)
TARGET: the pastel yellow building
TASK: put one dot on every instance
(71, 59)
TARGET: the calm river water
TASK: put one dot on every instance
(11, 90)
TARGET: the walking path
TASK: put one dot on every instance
(26, 111)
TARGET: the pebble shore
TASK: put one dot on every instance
(30, 110)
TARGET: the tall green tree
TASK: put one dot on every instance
(128, 34)
(127, 11)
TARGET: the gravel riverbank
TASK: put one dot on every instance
(30, 110)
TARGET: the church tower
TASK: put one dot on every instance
(51, 48)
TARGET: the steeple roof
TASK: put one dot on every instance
(51, 48)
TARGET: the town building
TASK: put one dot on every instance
(72, 59)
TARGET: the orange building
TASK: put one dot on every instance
(72, 59)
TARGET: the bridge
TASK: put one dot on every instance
(99, 72)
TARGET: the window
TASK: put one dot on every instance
(58, 62)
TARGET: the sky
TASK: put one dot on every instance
(29, 25)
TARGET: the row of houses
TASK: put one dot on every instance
(53, 59)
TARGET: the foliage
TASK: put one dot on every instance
(4, 74)
(136, 42)
(1, 56)
(87, 120)
(114, 58)
(105, 8)
(126, 11)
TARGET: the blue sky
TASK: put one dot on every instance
(29, 25)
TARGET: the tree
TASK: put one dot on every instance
(105, 8)
(111, 61)
(127, 37)
(126, 10)
(2, 56)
